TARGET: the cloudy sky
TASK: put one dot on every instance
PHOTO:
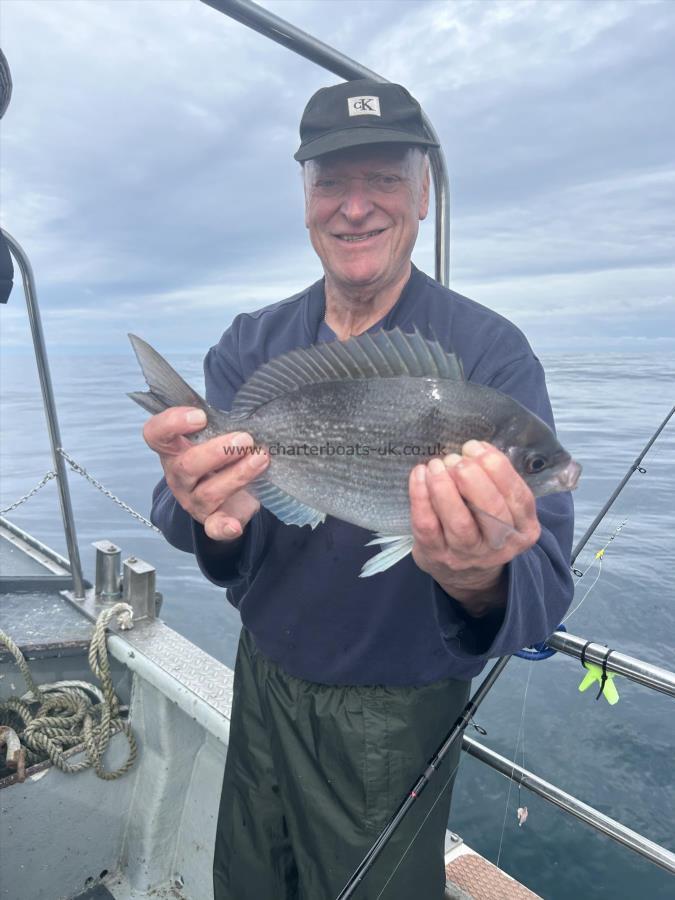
(147, 161)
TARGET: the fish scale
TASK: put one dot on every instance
(367, 489)
(386, 391)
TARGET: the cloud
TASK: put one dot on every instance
(147, 158)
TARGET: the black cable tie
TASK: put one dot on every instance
(577, 572)
(479, 728)
(642, 470)
(583, 652)
(603, 680)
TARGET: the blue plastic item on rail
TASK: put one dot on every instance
(540, 650)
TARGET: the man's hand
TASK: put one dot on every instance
(451, 542)
(208, 480)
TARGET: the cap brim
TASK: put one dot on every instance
(354, 137)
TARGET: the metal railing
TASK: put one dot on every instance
(582, 811)
(50, 411)
(276, 29)
(304, 44)
(636, 670)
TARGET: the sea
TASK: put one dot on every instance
(619, 759)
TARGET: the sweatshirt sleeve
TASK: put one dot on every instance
(222, 374)
(540, 586)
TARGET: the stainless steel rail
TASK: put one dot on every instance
(50, 411)
(302, 43)
(635, 669)
(33, 542)
(618, 832)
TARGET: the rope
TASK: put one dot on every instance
(50, 719)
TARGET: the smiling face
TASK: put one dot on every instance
(362, 208)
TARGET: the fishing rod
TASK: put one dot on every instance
(617, 490)
(455, 732)
(474, 702)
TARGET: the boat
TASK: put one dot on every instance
(130, 813)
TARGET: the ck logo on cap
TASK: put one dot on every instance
(363, 106)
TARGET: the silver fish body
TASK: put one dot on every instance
(344, 424)
(347, 448)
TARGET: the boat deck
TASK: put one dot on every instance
(149, 834)
(469, 876)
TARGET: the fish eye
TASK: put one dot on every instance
(535, 463)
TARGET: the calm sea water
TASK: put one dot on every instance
(618, 759)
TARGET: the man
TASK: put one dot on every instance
(345, 686)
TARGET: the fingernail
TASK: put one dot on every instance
(436, 467)
(241, 439)
(472, 448)
(228, 531)
(451, 460)
(259, 459)
(420, 474)
(196, 417)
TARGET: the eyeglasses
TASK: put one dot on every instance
(376, 183)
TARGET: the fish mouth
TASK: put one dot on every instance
(568, 476)
(563, 477)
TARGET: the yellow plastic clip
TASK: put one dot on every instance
(595, 674)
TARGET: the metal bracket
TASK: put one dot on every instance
(108, 582)
(138, 580)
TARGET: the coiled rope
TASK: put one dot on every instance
(51, 718)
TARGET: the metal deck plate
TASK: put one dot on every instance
(38, 620)
(472, 876)
(186, 674)
(98, 892)
(15, 561)
(32, 611)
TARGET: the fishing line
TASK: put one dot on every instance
(593, 583)
(598, 557)
(449, 779)
(521, 732)
(414, 837)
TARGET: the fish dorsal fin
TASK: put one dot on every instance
(382, 354)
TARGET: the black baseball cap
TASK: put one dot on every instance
(360, 112)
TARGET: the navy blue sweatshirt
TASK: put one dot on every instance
(298, 590)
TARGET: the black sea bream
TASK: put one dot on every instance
(345, 422)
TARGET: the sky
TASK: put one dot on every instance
(146, 162)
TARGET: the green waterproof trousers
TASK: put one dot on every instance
(313, 774)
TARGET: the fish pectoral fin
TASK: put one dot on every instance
(284, 507)
(494, 530)
(395, 547)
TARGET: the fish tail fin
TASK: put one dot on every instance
(167, 388)
(395, 547)
(149, 401)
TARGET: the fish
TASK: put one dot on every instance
(344, 423)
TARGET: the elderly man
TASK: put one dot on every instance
(345, 686)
